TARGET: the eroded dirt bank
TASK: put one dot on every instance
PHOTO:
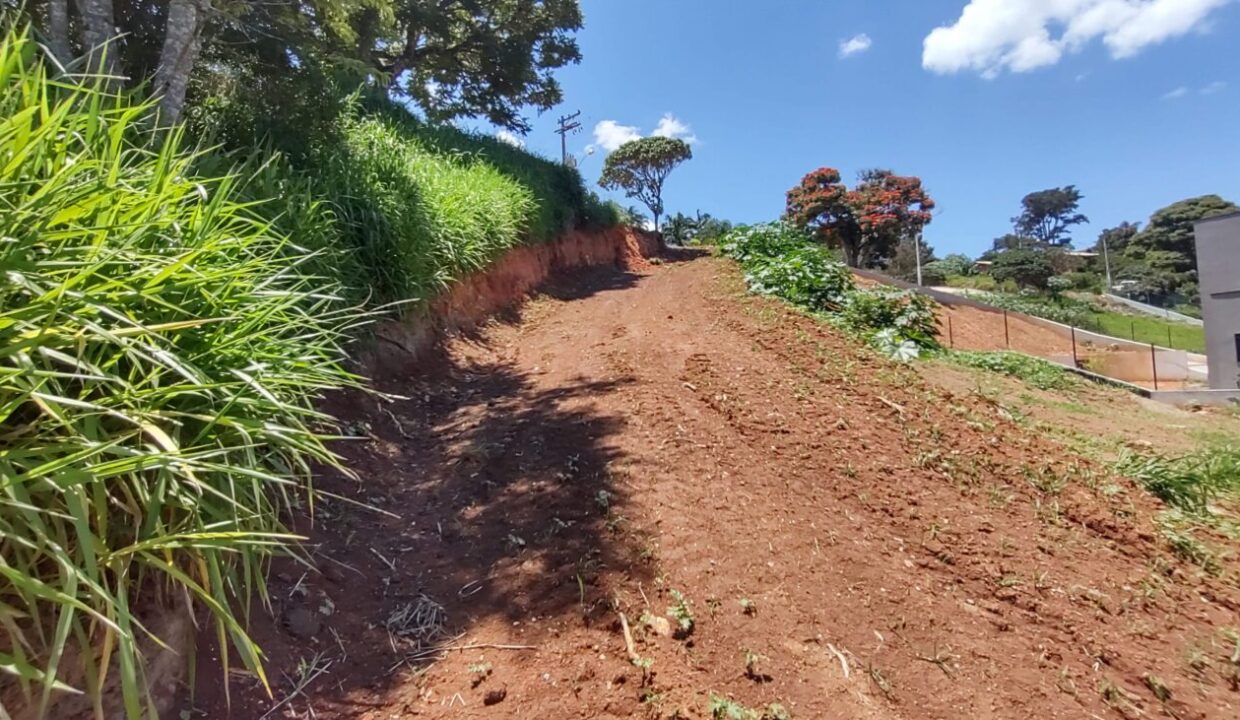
(850, 541)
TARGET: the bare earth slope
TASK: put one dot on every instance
(901, 551)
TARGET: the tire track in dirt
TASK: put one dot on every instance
(904, 552)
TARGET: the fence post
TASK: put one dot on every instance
(1169, 340)
(1007, 335)
(951, 338)
(1075, 361)
(1133, 330)
(1154, 363)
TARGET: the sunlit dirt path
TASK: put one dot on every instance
(849, 541)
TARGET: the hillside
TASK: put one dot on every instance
(777, 514)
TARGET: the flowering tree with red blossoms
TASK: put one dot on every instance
(867, 222)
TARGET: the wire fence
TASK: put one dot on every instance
(1158, 367)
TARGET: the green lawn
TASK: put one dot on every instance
(1149, 329)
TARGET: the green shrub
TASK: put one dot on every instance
(1024, 266)
(1086, 281)
(1035, 371)
(749, 243)
(162, 350)
(1059, 309)
(909, 314)
(953, 265)
(784, 262)
(973, 282)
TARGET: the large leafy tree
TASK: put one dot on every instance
(1116, 239)
(478, 58)
(1163, 256)
(868, 222)
(453, 58)
(1048, 215)
(640, 167)
(1026, 267)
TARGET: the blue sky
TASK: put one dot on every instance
(1134, 101)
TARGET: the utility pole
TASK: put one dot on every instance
(568, 123)
(917, 252)
(1106, 259)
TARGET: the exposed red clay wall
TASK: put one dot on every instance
(400, 343)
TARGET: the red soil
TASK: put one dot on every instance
(975, 329)
(908, 552)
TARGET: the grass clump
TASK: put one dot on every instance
(1189, 482)
(784, 262)
(725, 708)
(1037, 372)
(161, 349)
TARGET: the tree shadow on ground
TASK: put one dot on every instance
(486, 497)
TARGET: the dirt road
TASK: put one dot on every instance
(849, 541)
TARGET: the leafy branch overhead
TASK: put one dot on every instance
(452, 58)
(640, 167)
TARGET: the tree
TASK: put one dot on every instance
(1048, 214)
(467, 58)
(1011, 241)
(640, 167)
(903, 263)
(452, 58)
(683, 229)
(867, 222)
(1116, 239)
(680, 229)
(954, 265)
(1024, 266)
(1163, 256)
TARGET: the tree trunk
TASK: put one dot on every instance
(98, 32)
(851, 253)
(58, 30)
(182, 41)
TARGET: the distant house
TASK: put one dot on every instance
(1218, 272)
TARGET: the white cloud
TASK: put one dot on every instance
(1176, 94)
(610, 134)
(1215, 87)
(511, 138)
(1016, 35)
(855, 45)
(671, 127)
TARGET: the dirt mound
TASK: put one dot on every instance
(775, 513)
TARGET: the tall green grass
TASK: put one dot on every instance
(417, 205)
(161, 350)
(419, 218)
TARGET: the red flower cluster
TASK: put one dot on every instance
(883, 205)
